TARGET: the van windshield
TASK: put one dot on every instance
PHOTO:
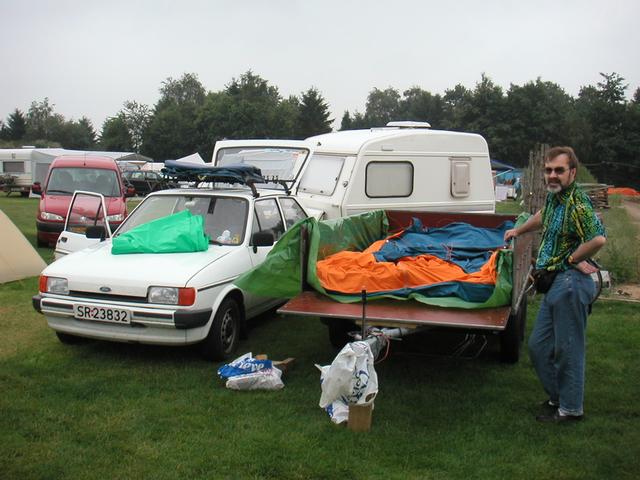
(281, 162)
(66, 180)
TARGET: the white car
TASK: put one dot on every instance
(170, 298)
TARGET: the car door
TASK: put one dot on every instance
(267, 218)
(84, 225)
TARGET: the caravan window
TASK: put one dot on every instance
(13, 167)
(322, 174)
(389, 179)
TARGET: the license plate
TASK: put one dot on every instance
(101, 314)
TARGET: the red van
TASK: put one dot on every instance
(68, 174)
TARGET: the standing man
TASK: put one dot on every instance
(571, 234)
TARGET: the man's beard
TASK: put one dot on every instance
(554, 187)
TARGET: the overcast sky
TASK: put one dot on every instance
(90, 56)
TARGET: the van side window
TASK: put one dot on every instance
(322, 174)
(292, 211)
(389, 179)
(268, 218)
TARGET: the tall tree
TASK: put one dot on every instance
(536, 112)
(313, 117)
(382, 107)
(16, 125)
(172, 130)
(115, 135)
(40, 120)
(420, 105)
(136, 117)
(347, 122)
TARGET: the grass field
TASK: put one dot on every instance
(103, 410)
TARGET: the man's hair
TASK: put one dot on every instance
(556, 151)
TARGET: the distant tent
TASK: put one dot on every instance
(499, 166)
(18, 258)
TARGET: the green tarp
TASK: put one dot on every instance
(181, 232)
(279, 275)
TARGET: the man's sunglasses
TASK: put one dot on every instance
(557, 170)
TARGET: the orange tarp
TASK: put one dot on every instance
(626, 191)
(351, 272)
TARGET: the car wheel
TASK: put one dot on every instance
(222, 340)
(68, 339)
(41, 243)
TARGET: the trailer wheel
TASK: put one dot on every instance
(222, 340)
(513, 335)
(339, 331)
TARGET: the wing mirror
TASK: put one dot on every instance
(36, 188)
(262, 239)
(96, 231)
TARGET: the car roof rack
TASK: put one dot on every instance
(247, 175)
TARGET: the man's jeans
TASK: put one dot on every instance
(557, 343)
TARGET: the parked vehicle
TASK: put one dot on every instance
(170, 298)
(68, 174)
(404, 166)
(145, 181)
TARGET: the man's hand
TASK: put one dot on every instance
(509, 234)
(585, 267)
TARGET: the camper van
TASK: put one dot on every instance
(403, 166)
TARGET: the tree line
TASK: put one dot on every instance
(600, 123)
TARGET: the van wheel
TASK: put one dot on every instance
(41, 243)
(513, 335)
(222, 340)
(339, 331)
(68, 339)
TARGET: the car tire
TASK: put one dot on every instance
(224, 334)
(68, 339)
(41, 243)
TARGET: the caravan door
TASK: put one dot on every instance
(85, 224)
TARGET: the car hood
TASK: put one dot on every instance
(59, 204)
(95, 268)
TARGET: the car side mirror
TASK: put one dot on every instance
(130, 191)
(262, 239)
(96, 231)
(36, 188)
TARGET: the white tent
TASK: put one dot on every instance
(18, 258)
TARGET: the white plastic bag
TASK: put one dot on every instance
(351, 378)
(265, 379)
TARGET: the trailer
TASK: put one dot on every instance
(342, 319)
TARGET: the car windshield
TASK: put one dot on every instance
(281, 162)
(66, 180)
(225, 218)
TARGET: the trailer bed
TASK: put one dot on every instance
(396, 313)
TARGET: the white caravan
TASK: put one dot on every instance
(404, 166)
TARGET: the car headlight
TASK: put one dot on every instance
(172, 296)
(51, 216)
(115, 218)
(54, 285)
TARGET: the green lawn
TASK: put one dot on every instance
(103, 410)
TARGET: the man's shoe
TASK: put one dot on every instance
(548, 407)
(557, 418)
